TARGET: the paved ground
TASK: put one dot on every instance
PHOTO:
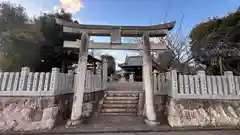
(173, 133)
(127, 125)
(111, 123)
(125, 86)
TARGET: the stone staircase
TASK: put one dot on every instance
(127, 103)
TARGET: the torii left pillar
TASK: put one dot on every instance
(80, 83)
(147, 82)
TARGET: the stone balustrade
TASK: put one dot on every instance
(161, 82)
(202, 86)
(26, 83)
(199, 86)
(198, 100)
(36, 101)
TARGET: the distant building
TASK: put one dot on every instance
(133, 64)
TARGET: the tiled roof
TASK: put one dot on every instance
(133, 61)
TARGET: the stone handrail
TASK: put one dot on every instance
(93, 82)
(202, 86)
(26, 83)
(161, 83)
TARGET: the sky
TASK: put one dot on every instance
(186, 13)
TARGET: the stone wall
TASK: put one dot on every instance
(33, 113)
(37, 113)
(203, 113)
(159, 102)
(91, 101)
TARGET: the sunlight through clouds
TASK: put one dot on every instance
(72, 6)
(35, 7)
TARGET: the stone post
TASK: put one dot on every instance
(111, 78)
(1, 77)
(131, 78)
(174, 84)
(155, 81)
(104, 73)
(5, 81)
(123, 79)
(230, 81)
(54, 81)
(70, 76)
(23, 78)
(147, 82)
(203, 82)
(80, 84)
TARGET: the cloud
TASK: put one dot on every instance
(72, 6)
(35, 7)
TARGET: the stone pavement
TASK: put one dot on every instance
(129, 125)
(125, 86)
(126, 124)
(172, 133)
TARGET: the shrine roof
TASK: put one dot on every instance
(133, 61)
(103, 30)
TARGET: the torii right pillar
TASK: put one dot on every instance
(147, 82)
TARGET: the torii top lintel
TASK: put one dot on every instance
(107, 30)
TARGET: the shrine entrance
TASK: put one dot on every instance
(116, 102)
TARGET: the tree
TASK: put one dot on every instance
(111, 64)
(16, 34)
(52, 51)
(177, 56)
(216, 42)
(36, 42)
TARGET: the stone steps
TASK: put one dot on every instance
(123, 94)
(118, 114)
(119, 110)
(130, 105)
(121, 98)
(120, 103)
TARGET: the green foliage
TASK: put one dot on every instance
(36, 43)
(217, 37)
(17, 34)
(12, 16)
(52, 51)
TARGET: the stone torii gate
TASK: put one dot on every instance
(115, 32)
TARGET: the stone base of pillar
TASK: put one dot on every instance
(151, 123)
(73, 123)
